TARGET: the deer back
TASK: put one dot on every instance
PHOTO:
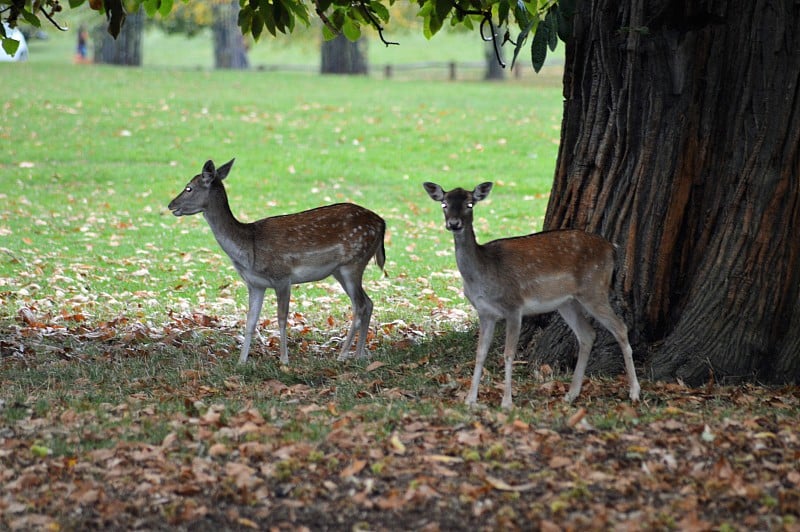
(309, 245)
(538, 271)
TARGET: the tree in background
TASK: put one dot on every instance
(495, 56)
(229, 45)
(126, 48)
(344, 49)
(340, 55)
(222, 18)
(680, 142)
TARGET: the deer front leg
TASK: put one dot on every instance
(283, 294)
(255, 298)
(485, 334)
(513, 326)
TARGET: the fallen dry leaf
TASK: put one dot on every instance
(501, 485)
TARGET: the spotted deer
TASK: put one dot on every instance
(568, 271)
(280, 251)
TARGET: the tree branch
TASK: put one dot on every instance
(375, 23)
(487, 17)
(324, 18)
(52, 20)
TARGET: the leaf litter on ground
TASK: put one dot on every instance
(125, 424)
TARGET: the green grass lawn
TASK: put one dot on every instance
(92, 155)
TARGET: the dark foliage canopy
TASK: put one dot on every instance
(544, 21)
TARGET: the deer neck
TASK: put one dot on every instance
(468, 253)
(232, 235)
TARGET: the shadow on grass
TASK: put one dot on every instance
(110, 361)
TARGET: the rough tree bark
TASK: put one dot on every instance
(342, 56)
(229, 47)
(126, 49)
(681, 143)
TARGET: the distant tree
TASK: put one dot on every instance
(222, 18)
(343, 56)
(126, 49)
(229, 45)
(495, 56)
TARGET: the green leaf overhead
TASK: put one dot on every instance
(541, 38)
(10, 46)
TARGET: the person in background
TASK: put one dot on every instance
(82, 52)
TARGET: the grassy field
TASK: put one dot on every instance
(121, 403)
(95, 154)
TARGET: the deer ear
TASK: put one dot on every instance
(434, 191)
(481, 191)
(208, 167)
(222, 171)
(208, 173)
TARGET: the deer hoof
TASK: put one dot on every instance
(473, 404)
(634, 394)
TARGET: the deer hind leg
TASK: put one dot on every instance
(363, 326)
(255, 298)
(584, 332)
(485, 334)
(602, 312)
(283, 294)
(351, 280)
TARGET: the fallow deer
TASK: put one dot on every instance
(280, 251)
(568, 271)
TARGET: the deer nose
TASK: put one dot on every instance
(454, 224)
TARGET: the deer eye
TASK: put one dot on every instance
(469, 205)
(444, 205)
(188, 188)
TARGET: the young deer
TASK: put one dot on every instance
(510, 278)
(280, 251)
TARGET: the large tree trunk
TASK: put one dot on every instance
(126, 49)
(342, 56)
(229, 47)
(681, 143)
